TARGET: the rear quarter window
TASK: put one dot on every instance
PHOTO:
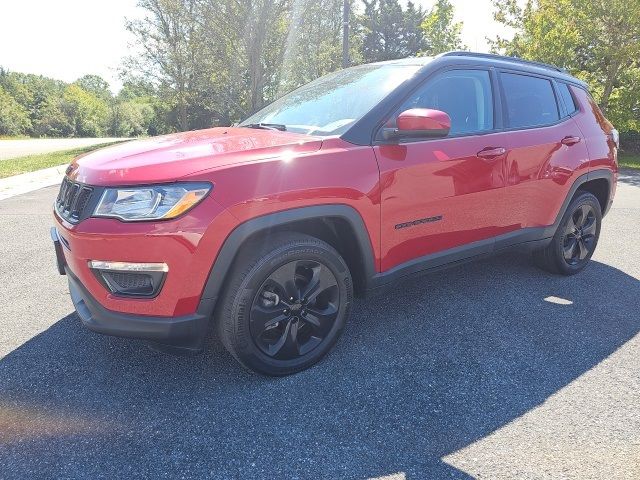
(567, 98)
(530, 101)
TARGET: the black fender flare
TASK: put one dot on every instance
(581, 180)
(245, 230)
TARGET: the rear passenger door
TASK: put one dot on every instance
(545, 148)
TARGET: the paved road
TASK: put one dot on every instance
(19, 148)
(465, 373)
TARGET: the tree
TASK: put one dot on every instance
(88, 114)
(170, 52)
(313, 45)
(414, 35)
(132, 118)
(52, 120)
(14, 118)
(441, 33)
(138, 110)
(389, 32)
(34, 93)
(596, 40)
(96, 85)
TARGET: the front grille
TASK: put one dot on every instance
(73, 200)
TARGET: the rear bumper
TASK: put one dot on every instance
(187, 332)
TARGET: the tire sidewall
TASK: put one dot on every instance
(244, 346)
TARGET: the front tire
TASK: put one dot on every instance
(285, 305)
(575, 239)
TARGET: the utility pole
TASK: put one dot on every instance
(345, 34)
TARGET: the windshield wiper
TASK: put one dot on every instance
(267, 126)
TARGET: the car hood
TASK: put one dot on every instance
(171, 157)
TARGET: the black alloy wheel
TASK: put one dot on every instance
(575, 239)
(580, 235)
(294, 310)
(285, 304)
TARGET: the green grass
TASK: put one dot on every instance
(14, 137)
(629, 160)
(31, 163)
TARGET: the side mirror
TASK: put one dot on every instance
(419, 123)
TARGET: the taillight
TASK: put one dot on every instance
(615, 136)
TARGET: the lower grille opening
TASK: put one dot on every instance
(127, 284)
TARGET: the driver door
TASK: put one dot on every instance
(441, 198)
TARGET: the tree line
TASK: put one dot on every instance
(38, 106)
(200, 63)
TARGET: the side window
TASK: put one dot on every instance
(530, 101)
(465, 95)
(567, 98)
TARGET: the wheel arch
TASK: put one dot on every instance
(599, 181)
(341, 226)
(600, 188)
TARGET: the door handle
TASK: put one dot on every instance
(491, 153)
(570, 140)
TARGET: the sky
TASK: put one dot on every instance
(65, 39)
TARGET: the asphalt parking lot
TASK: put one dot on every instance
(466, 373)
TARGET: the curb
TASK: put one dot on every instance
(28, 182)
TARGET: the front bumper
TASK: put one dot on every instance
(184, 332)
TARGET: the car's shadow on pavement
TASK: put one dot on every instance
(629, 176)
(421, 371)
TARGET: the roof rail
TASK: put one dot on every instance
(504, 58)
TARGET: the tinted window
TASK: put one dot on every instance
(530, 100)
(463, 94)
(567, 98)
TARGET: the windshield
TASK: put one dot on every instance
(331, 104)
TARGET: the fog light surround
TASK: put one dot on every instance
(126, 279)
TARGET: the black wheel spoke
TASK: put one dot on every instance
(570, 248)
(583, 250)
(571, 227)
(285, 278)
(320, 319)
(589, 240)
(590, 226)
(580, 216)
(321, 280)
(274, 348)
(295, 309)
(265, 317)
(290, 347)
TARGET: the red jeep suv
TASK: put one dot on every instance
(365, 176)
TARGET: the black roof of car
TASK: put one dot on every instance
(492, 60)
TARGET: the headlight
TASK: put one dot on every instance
(155, 202)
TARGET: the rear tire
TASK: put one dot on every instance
(575, 239)
(285, 305)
